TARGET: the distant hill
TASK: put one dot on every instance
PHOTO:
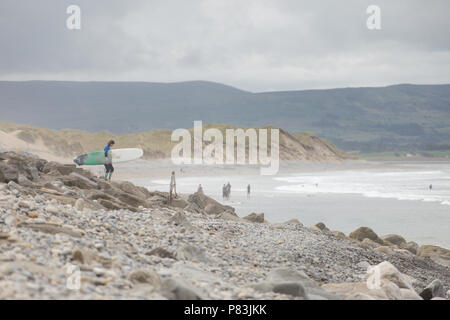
(64, 145)
(400, 117)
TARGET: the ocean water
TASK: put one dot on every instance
(389, 198)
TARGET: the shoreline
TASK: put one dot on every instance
(128, 243)
(314, 206)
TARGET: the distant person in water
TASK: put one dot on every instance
(173, 187)
(431, 187)
(248, 191)
(224, 192)
(200, 189)
(228, 191)
(109, 169)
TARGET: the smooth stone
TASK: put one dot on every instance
(433, 290)
(180, 289)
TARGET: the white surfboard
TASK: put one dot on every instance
(125, 155)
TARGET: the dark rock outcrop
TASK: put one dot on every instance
(366, 233)
(199, 202)
(255, 217)
(67, 183)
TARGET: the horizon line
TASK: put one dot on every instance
(226, 85)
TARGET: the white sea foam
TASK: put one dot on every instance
(401, 185)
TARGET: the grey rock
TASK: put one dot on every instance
(284, 279)
(77, 180)
(255, 217)
(200, 201)
(411, 246)
(293, 221)
(291, 288)
(8, 173)
(180, 289)
(322, 226)
(179, 203)
(395, 239)
(433, 290)
(363, 265)
(51, 229)
(365, 232)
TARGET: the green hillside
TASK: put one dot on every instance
(394, 118)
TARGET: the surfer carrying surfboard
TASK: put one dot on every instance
(108, 164)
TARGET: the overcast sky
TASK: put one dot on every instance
(255, 45)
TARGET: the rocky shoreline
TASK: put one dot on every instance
(65, 234)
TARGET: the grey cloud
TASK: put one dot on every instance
(255, 45)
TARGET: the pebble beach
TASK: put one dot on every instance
(65, 234)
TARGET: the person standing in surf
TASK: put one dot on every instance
(224, 191)
(173, 188)
(228, 191)
(109, 169)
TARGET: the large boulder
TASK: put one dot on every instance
(364, 232)
(339, 234)
(226, 215)
(383, 282)
(385, 271)
(384, 249)
(66, 169)
(255, 217)
(355, 291)
(295, 283)
(199, 201)
(98, 194)
(322, 226)
(370, 243)
(293, 222)
(411, 246)
(130, 188)
(435, 253)
(23, 165)
(180, 289)
(179, 203)
(114, 205)
(433, 290)
(395, 239)
(77, 180)
(214, 208)
(8, 173)
(131, 200)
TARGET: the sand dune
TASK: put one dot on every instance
(11, 141)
